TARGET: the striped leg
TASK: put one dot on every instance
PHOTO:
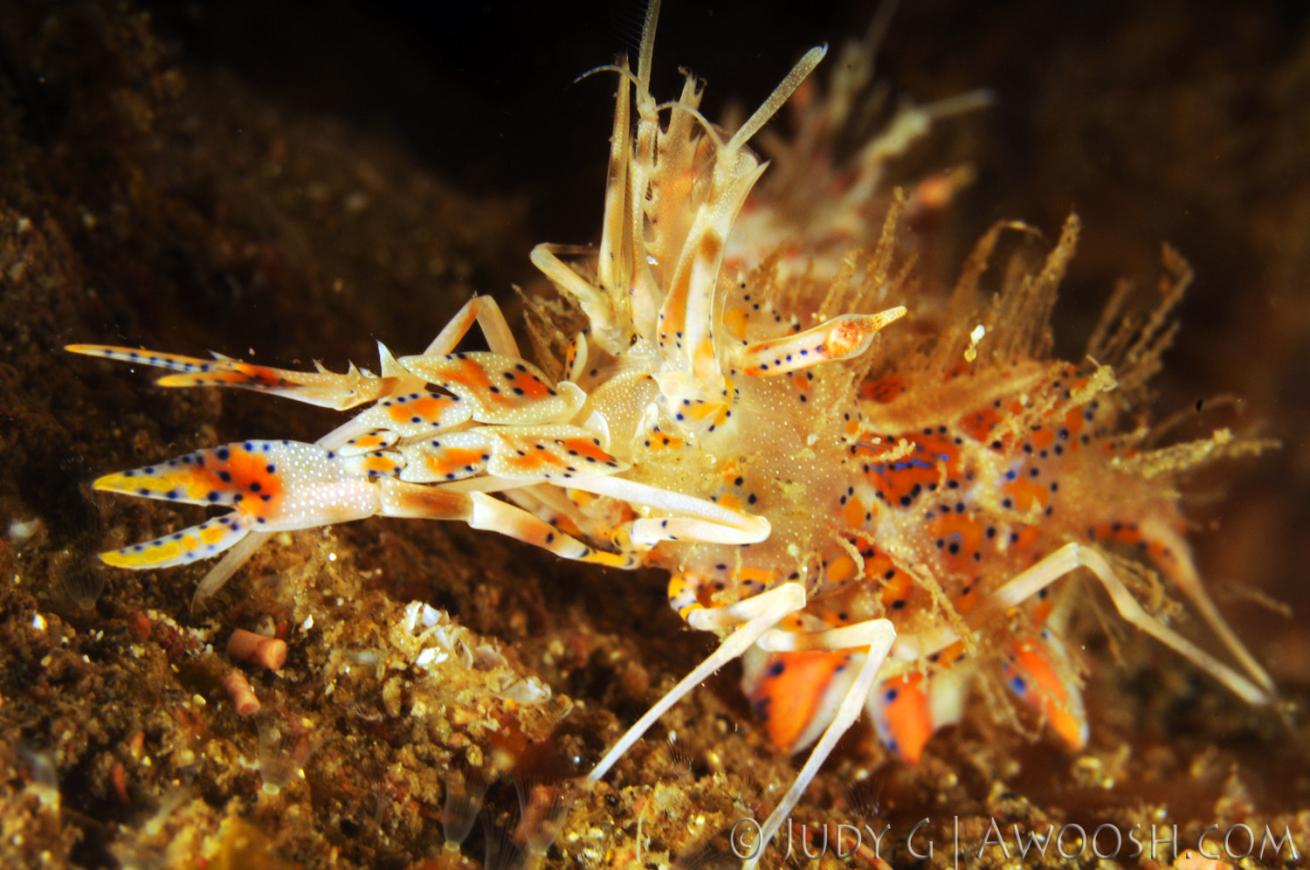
(340, 392)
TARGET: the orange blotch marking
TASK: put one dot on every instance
(950, 655)
(1122, 533)
(967, 601)
(883, 390)
(845, 337)
(841, 569)
(897, 480)
(896, 589)
(853, 512)
(907, 717)
(962, 536)
(533, 459)
(379, 464)
(979, 424)
(433, 503)
(1042, 611)
(660, 439)
(893, 588)
(794, 622)
(585, 447)
(1073, 421)
(968, 530)
(246, 470)
(956, 370)
(1047, 692)
(832, 617)
(260, 374)
(1027, 538)
(565, 524)
(710, 246)
(1043, 438)
(580, 497)
(467, 373)
(1025, 494)
(532, 386)
(702, 410)
(734, 320)
(758, 575)
(428, 408)
(675, 306)
(791, 690)
(730, 501)
(453, 459)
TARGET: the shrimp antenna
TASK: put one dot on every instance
(608, 67)
(780, 95)
(647, 52)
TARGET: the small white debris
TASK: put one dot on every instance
(417, 613)
(528, 691)
(308, 623)
(971, 352)
(38, 622)
(21, 531)
(431, 656)
(428, 638)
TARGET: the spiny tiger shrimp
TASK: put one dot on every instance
(868, 494)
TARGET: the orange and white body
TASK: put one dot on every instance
(867, 489)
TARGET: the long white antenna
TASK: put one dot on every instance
(780, 94)
(647, 50)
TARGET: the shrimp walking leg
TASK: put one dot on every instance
(1073, 556)
(876, 636)
(753, 617)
